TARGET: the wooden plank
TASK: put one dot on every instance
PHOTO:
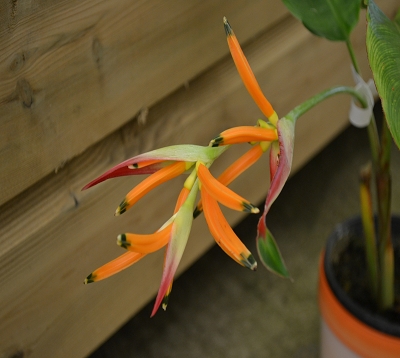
(53, 235)
(74, 71)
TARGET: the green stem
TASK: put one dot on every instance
(386, 254)
(380, 150)
(374, 141)
(353, 56)
(367, 217)
(318, 98)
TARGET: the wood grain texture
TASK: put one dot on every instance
(72, 72)
(53, 235)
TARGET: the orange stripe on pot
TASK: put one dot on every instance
(356, 335)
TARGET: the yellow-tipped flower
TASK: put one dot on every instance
(174, 233)
(159, 177)
(145, 244)
(235, 169)
(167, 163)
(111, 268)
(223, 233)
(222, 193)
(247, 75)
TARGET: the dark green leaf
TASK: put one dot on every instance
(383, 47)
(332, 19)
(270, 255)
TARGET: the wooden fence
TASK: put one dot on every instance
(86, 84)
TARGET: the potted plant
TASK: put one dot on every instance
(334, 21)
(358, 307)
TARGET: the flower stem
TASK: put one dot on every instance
(318, 98)
(353, 56)
(386, 254)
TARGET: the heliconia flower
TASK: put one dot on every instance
(280, 156)
(151, 162)
(167, 163)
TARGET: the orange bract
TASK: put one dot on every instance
(223, 233)
(145, 244)
(223, 194)
(241, 165)
(235, 169)
(245, 134)
(159, 177)
(246, 73)
(110, 268)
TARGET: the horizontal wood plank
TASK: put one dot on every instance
(53, 235)
(74, 71)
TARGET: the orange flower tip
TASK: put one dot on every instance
(121, 241)
(121, 208)
(227, 27)
(91, 278)
(250, 262)
(197, 212)
(250, 208)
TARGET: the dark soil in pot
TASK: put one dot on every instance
(348, 279)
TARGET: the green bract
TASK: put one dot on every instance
(270, 255)
(186, 152)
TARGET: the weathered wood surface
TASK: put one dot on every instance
(74, 71)
(53, 235)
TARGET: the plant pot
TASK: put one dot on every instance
(348, 329)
